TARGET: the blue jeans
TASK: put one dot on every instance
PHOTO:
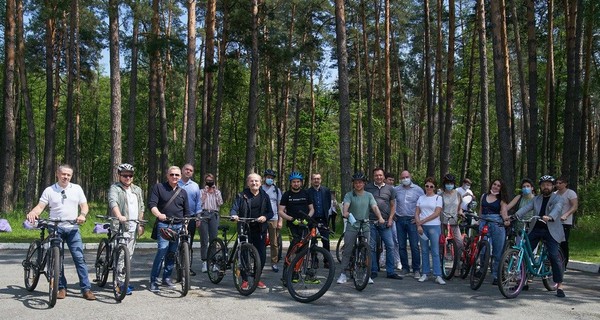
(385, 234)
(72, 238)
(496, 236)
(166, 251)
(408, 231)
(552, 246)
(431, 245)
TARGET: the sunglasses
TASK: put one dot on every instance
(63, 195)
(429, 186)
(127, 175)
(174, 174)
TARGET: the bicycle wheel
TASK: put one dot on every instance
(217, 260)
(121, 272)
(547, 269)
(339, 248)
(307, 276)
(480, 266)
(31, 265)
(449, 257)
(465, 266)
(511, 274)
(291, 254)
(246, 269)
(102, 263)
(53, 274)
(362, 266)
(184, 267)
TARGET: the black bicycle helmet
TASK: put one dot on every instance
(296, 175)
(449, 178)
(125, 167)
(359, 176)
(269, 172)
(547, 178)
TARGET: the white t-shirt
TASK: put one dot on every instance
(427, 205)
(567, 197)
(467, 197)
(133, 206)
(63, 203)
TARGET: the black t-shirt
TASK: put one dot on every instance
(295, 202)
(542, 213)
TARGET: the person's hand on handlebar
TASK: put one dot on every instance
(234, 218)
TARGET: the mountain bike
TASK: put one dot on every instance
(520, 263)
(308, 269)
(242, 257)
(44, 256)
(360, 260)
(479, 254)
(339, 248)
(113, 254)
(449, 253)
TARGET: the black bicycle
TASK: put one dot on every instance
(360, 260)
(44, 256)
(242, 257)
(114, 255)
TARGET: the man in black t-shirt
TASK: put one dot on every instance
(293, 202)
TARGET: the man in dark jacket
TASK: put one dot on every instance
(320, 197)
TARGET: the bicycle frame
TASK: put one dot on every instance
(533, 264)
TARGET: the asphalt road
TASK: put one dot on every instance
(387, 298)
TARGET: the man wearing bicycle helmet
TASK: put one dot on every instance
(125, 202)
(548, 228)
(293, 202)
(357, 202)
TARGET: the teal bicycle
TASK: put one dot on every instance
(521, 262)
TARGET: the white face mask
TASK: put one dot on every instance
(406, 182)
(466, 187)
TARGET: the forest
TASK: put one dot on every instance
(482, 89)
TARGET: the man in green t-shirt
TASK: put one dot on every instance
(357, 203)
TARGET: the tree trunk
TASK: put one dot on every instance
(438, 89)
(429, 94)
(133, 85)
(344, 96)
(253, 99)
(550, 104)
(388, 93)
(153, 96)
(471, 112)
(532, 144)
(190, 138)
(368, 86)
(115, 89)
(587, 121)
(10, 108)
(445, 158)
(209, 62)
(72, 111)
(483, 75)
(50, 119)
(220, 85)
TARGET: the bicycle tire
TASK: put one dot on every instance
(102, 263)
(217, 260)
(465, 265)
(511, 275)
(53, 274)
(184, 267)
(481, 265)
(339, 248)
(31, 265)
(362, 266)
(246, 265)
(449, 257)
(547, 280)
(279, 246)
(308, 278)
(121, 271)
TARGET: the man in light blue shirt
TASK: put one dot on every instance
(195, 204)
(407, 194)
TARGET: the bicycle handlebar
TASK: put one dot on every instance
(484, 219)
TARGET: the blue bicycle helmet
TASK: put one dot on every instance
(296, 175)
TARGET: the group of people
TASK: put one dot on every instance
(404, 216)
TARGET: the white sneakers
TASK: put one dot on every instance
(204, 268)
(342, 279)
(417, 275)
(423, 278)
(439, 280)
(371, 281)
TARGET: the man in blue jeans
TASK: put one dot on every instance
(407, 194)
(385, 196)
(167, 200)
(62, 199)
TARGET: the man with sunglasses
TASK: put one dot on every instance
(167, 200)
(125, 202)
(62, 199)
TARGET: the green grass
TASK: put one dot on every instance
(584, 240)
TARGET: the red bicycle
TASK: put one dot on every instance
(477, 255)
(449, 253)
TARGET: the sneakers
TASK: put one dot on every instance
(244, 285)
(311, 280)
(204, 268)
(89, 295)
(560, 293)
(129, 290)
(342, 279)
(417, 275)
(295, 277)
(154, 287)
(399, 266)
(373, 275)
(261, 285)
(169, 283)
(423, 278)
(275, 268)
(62, 293)
(371, 281)
(395, 276)
(439, 280)
(404, 272)
(192, 273)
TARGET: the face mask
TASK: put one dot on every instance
(210, 184)
(495, 193)
(269, 181)
(406, 182)
(526, 191)
(466, 187)
(449, 187)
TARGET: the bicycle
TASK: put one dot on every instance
(339, 248)
(360, 259)
(44, 256)
(242, 257)
(308, 269)
(479, 254)
(519, 263)
(113, 254)
(449, 253)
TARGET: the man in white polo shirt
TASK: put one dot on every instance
(62, 199)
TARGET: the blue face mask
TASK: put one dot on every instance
(269, 181)
(449, 187)
(526, 190)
